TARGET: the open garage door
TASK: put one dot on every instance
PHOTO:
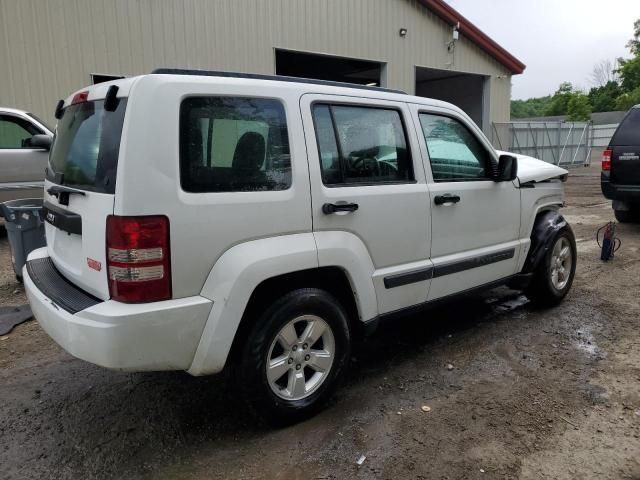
(326, 67)
(464, 90)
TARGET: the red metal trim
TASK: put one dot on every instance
(473, 33)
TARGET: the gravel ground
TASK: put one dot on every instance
(549, 394)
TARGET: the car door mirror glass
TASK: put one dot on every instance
(39, 141)
(507, 168)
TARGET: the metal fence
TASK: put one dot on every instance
(601, 134)
(560, 143)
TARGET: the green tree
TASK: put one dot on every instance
(560, 99)
(634, 43)
(628, 99)
(603, 99)
(578, 108)
(629, 73)
(532, 107)
(629, 70)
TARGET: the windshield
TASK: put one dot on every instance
(84, 154)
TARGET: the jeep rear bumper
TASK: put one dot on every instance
(133, 337)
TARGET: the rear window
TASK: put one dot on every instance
(85, 149)
(233, 144)
(628, 133)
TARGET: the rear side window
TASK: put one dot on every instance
(454, 152)
(233, 144)
(361, 145)
(85, 150)
(628, 133)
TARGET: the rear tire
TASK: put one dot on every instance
(294, 356)
(553, 277)
(625, 216)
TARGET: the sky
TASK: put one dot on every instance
(557, 40)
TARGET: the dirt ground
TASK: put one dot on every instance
(532, 394)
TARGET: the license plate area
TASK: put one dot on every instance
(63, 220)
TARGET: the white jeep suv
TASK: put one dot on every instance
(203, 221)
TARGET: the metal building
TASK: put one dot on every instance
(52, 47)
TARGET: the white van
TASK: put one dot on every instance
(202, 220)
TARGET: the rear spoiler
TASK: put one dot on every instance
(110, 102)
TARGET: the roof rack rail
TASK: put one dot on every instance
(278, 78)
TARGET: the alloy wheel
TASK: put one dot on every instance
(561, 263)
(300, 357)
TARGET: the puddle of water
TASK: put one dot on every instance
(587, 344)
(511, 304)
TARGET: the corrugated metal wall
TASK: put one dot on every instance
(50, 47)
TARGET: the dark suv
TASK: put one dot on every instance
(620, 178)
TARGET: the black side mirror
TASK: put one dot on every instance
(40, 141)
(507, 168)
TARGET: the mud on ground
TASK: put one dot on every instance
(549, 394)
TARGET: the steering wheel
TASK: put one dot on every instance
(386, 168)
(360, 164)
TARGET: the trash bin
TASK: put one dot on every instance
(25, 229)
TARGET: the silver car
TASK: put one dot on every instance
(24, 148)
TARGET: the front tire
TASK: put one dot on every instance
(295, 356)
(554, 275)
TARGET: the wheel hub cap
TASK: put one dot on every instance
(561, 263)
(300, 357)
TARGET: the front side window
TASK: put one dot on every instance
(233, 144)
(40, 121)
(16, 132)
(361, 145)
(454, 152)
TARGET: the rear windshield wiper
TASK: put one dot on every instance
(58, 189)
(62, 193)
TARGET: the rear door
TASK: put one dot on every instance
(80, 188)
(625, 146)
(368, 188)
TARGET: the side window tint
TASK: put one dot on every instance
(361, 145)
(455, 154)
(233, 144)
(15, 132)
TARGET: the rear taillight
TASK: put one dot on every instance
(138, 258)
(606, 160)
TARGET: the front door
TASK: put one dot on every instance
(475, 221)
(369, 195)
(21, 167)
